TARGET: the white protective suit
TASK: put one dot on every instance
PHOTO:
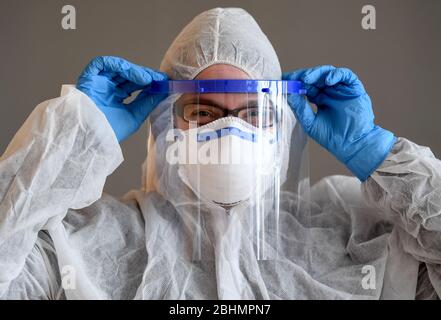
(60, 237)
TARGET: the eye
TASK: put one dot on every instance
(253, 113)
(258, 117)
(201, 113)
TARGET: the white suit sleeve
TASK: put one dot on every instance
(407, 188)
(59, 159)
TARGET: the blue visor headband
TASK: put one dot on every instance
(227, 86)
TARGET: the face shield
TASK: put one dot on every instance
(229, 157)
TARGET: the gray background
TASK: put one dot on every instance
(399, 62)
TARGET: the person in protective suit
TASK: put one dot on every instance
(61, 237)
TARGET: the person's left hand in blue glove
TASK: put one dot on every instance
(108, 81)
(344, 121)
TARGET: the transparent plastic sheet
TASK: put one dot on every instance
(230, 163)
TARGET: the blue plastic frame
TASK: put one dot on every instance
(227, 86)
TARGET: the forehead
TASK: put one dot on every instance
(226, 100)
(222, 71)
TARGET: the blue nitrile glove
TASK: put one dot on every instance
(344, 122)
(110, 80)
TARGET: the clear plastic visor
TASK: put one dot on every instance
(227, 154)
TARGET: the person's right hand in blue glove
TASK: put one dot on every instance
(108, 81)
(344, 122)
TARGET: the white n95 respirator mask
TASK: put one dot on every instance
(225, 161)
